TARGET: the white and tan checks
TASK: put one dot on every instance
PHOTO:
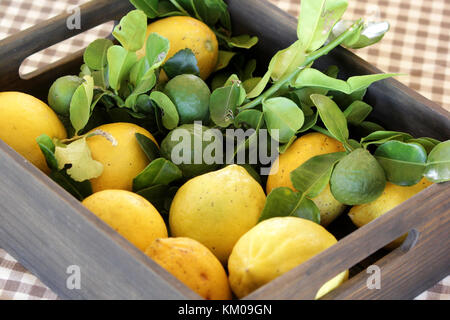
(418, 45)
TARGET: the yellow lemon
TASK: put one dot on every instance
(217, 208)
(122, 161)
(186, 32)
(193, 264)
(129, 214)
(304, 148)
(393, 195)
(23, 118)
(274, 247)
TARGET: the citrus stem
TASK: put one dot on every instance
(309, 59)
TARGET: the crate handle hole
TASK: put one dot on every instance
(43, 60)
(410, 241)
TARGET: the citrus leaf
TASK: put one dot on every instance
(158, 172)
(95, 55)
(132, 30)
(403, 163)
(149, 147)
(316, 21)
(149, 7)
(48, 149)
(78, 155)
(79, 190)
(283, 117)
(224, 59)
(313, 176)
(157, 48)
(223, 104)
(314, 78)
(183, 62)
(170, 116)
(438, 163)
(283, 202)
(380, 137)
(243, 41)
(80, 105)
(333, 118)
(357, 112)
(120, 62)
(156, 195)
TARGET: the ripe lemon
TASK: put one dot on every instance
(193, 264)
(186, 32)
(23, 118)
(304, 148)
(393, 195)
(274, 247)
(121, 162)
(129, 214)
(217, 208)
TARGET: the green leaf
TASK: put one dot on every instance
(79, 190)
(314, 78)
(132, 30)
(286, 61)
(282, 149)
(183, 62)
(283, 202)
(357, 112)
(438, 163)
(48, 149)
(333, 118)
(369, 34)
(223, 104)
(424, 142)
(243, 41)
(282, 116)
(209, 11)
(95, 55)
(313, 175)
(149, 147)
(310, 121)
(156, 195)
(380, 137)
(80, 105)
(78, 155)
(170, 116)
(224, 59)
(157, 48)
(317, 19)
(145, 85)
(366, 127)
(403, 163)
(120, 62)
(158, 172)
(150, 7)
(249, 118)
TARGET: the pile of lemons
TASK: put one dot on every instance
(212, 242)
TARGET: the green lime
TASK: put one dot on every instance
(61, 93)
(358, 178)
(186, 146)
(190, 94)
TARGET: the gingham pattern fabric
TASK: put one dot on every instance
(418, 45)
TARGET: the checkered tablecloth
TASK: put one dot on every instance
(418, 45)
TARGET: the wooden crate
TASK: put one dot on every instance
(47, 230)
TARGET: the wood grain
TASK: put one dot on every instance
(47, 230)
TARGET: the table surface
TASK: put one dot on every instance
(417, 45)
